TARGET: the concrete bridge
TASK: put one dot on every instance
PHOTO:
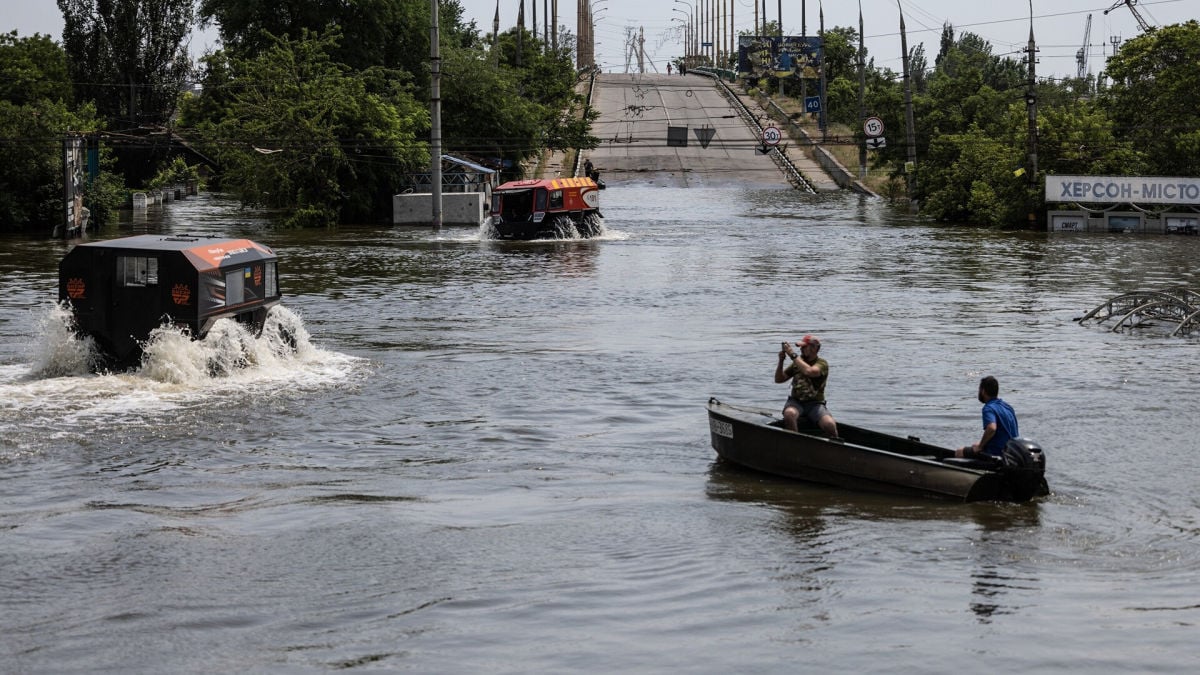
(637, 111)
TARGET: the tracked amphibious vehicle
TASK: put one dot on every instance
(122, 289)
(559, 208)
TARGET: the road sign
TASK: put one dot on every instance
(877, 143)
(873, 126)
(704, 134)
(771, 136)
(763, 149)
(812, 104)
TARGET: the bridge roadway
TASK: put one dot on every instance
(635, 111)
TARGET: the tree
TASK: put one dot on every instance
(32, 69)
(841, 53)
(1080, 139)
(970, 179)
(36, 113)
(129, 57)
(1153, 97)
(389, 33)
(295, 130)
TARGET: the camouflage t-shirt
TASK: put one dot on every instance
(806, 389)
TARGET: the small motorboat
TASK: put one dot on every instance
(867, 460)
(120, 290)
(557, 208)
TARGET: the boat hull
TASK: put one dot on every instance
(862, 460)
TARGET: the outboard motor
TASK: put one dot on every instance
(1022, 453)
(1024, 468)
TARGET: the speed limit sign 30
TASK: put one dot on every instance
(771, 136)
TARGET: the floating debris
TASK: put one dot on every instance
(1178, 306)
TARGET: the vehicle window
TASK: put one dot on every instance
(137, 271)
(272, 284)
(235, 287)
(556, 199)
(540, 204)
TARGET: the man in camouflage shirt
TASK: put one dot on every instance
(808, 374)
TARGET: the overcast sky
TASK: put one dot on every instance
(1058, 25)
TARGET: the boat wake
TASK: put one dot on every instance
(565, 230)
(56, 397)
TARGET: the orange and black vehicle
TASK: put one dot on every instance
(558, 208)
(120, 290)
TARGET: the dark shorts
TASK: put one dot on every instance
(813, 411)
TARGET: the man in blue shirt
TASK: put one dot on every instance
(999, 422)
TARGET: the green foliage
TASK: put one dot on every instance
(1155, 97)
(841, 53)
(31, 175)
(295, 130)
(105, 195)
(970, 179)
(176, 172)
(1080, 139)
(129, 57)
(393, 34)
(32, 69)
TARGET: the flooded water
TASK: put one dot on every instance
(494, 457)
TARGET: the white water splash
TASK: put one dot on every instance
(568, 231)
(57, 398)
(60, 352)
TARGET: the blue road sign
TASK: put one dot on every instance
(812, 104)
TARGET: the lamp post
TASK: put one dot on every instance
(691, 46)
(687, 30)
(586, 56)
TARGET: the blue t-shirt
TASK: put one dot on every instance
(996, 410)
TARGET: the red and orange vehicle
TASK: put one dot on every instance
(556, 208)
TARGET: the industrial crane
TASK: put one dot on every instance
(1136, 14)
(1081, 56)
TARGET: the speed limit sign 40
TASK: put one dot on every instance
(873, 126)
(771, 136)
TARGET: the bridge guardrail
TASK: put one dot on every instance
(777, 154)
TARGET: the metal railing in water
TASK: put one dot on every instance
(1177, 305)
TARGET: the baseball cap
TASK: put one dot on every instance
(810, 340)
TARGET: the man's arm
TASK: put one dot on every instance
(780, 375)
(988, 432)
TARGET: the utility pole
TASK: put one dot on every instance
(520, 32)
(862, 89)
(435, 114)
(804, 40)
(496, 37)
(1031, 110)
(779, 9)
(821, 32)
(910, 167)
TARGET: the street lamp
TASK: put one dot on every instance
(693, 46)
(687, 30)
